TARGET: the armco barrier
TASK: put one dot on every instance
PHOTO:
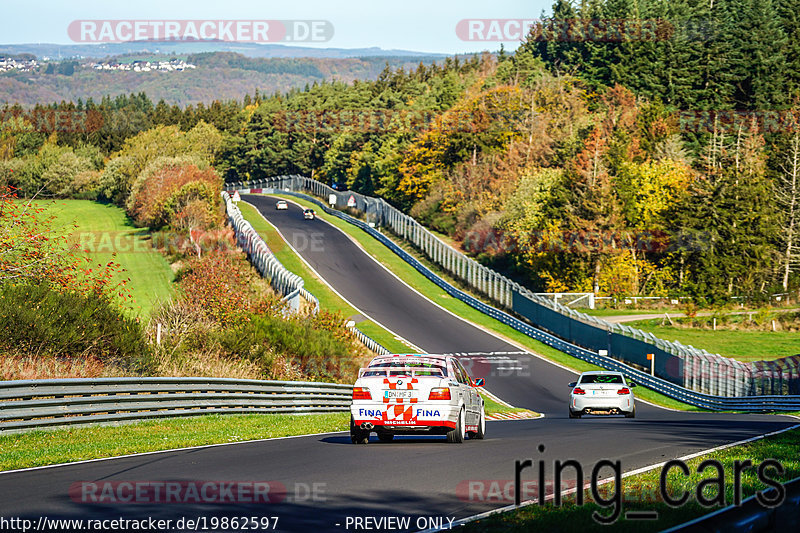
(261, 256)
(672, 390)
(698, 369)
(26, 405)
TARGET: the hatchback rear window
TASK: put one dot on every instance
(602, 378)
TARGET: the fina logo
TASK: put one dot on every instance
(427, 412)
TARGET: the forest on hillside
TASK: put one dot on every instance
(659, 164)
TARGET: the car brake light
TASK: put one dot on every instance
(624, 390)
(578, 390)
(361, 393)
(439, 393)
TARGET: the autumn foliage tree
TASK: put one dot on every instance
(176, 194)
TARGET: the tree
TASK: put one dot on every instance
(788, 195)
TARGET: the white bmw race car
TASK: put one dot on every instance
(602, 393)
(416, 394)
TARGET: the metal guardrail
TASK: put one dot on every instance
(700, 370)
(751, 516)
(35, 404)
(691, 397)
(369, 342)
(261, 256)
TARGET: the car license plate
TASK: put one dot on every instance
(393, 394)
(600, 392)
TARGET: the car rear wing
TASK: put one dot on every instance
(394, 370)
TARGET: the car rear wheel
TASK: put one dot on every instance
(632, 414)
(481, 427)
(573, 414)
(456, 435)
(358, 435)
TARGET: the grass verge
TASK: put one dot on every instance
(49, 447)
(641, 492)
(430, 290)
(741, 345)
(492, 407)
(40, 448)
(104, 230)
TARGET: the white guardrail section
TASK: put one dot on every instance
(281, 279)
(47, 403)
(704, 372)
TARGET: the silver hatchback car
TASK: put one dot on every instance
(602, 393)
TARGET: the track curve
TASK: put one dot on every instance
(413, 477)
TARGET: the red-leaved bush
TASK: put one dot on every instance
(178, 195)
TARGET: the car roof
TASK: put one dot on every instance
(598, 372)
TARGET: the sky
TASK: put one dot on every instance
(418, 25)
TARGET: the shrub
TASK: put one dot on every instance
(180, 195)
(317, 353)
(43, 321)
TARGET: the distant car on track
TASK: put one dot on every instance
(602, 393)
(309, 214)
(416, 394)
(282, 205)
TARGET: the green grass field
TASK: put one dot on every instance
(104, 229)
(741, 345)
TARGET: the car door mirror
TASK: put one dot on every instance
(572, 384)
(480, 382)
(631, 384)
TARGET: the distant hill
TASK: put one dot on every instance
(99, 51)
(219, 75)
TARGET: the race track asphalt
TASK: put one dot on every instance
(414, 478)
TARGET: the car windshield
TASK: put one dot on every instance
(602, 378)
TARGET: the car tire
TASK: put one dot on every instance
(456, 435)
(481, 433)
(573, 414)
(358, 435)
(632, 414)
(385, 436)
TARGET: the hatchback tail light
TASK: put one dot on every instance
(624, 390)
(439, 393)
(361, 393)
(578, 390)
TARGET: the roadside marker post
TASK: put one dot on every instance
(652, 358)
